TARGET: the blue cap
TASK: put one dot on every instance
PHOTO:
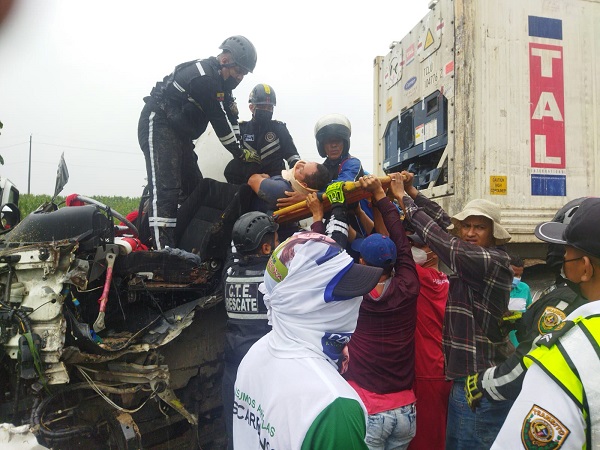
(377, 250)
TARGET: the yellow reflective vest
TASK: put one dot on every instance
(571, 358)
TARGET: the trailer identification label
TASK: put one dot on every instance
(547, 100)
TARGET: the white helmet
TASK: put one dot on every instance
(332, 126)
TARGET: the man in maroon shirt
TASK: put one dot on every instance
(382, 359)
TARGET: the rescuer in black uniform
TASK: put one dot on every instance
(254, 236)
(176, 113)
(269, 138)
(545, 315)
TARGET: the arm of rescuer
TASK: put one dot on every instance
(503, 382)
(338, 210)
(316, 207)
(337, 226)
(290, 198)
(208, 95)
(364, 220)
(405, 271)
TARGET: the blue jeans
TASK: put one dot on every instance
(468, 430)
(393, 429)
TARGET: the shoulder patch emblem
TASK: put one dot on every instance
(542, 430)
(220, 96)
(270, 136)
(552, 319)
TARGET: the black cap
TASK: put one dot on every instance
(359, 280)
(581, 232)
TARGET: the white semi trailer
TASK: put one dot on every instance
(496, 100)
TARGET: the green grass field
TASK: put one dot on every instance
(124, 205)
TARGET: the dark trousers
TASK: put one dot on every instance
(468, 430)
(173, 173)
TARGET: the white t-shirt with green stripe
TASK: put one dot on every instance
(295, 403)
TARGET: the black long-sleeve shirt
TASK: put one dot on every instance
(272, 142)
(193, 96)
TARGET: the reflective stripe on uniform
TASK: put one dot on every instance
(561, 305)
(230, 138)
(248, 146)
(579, 346)
(574, 364)
(153, 174)
(243, 316)
(552, 360)
(270, 149)
(181, 89)
(177, 86)
(154, 221)
(489, 383)
(245, 279)
(336, 225)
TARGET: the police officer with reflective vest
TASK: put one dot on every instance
(545, 315)
(176, 113)
(255, 237)
(269, 138)
(559, 404)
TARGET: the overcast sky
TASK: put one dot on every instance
(74, 72)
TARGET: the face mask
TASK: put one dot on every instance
(420, 256)
(230, 83)
(575, 287)
(516, 281)
(262, 115)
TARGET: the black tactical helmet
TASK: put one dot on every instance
(556, 252)
(244, 53)
(249, 230)
(332, 126)
(263, 94)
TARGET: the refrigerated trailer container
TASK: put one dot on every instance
(495, 100)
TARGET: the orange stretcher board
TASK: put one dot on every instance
(352, 194)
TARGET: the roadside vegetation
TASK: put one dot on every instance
(29, 203)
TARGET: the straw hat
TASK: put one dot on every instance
(485, 208)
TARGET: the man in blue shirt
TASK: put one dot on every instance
(304, 178)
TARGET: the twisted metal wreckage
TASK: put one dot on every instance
(104, 347)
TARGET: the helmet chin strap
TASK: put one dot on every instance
(227, 65)
(342, 156)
